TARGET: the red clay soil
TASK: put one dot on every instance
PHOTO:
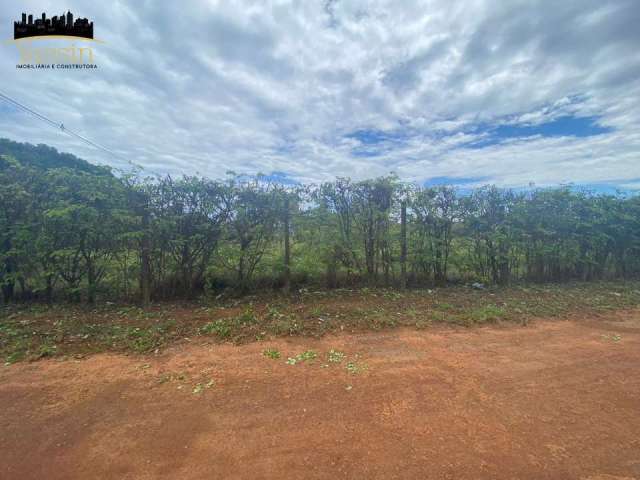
(553, 400)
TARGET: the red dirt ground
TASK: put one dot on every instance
(553, 400)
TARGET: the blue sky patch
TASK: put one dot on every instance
(281, 178)
(373, 143)
(370, 137)
(566, 126)
(435, 181)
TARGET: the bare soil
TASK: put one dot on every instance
(551, 400)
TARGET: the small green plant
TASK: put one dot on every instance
(219, 327)
(271, 353)
(355, 368)
(334, 356)
(14, 357)
(302, 357)
(142, 339)
(613, 338)
(170, 377)
(200, 387)
(308, 355)
(46, 351)
(273, 312)
(247, 317)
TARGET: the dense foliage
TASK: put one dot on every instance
(73, 231)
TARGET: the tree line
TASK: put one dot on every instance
(71, 231)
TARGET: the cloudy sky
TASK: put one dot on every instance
(505, 92)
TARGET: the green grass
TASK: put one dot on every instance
(487, 314)
(221, 328)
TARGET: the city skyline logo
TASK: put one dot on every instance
(41, 42)
(57, 26)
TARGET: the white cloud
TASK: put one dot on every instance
(248, 86)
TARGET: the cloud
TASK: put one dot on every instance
(313, 90)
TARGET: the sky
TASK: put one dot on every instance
(469, 92)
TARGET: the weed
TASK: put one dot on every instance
(391, 295)
(288, 325)
(200, 387)
(422, 324)
(334, 356)
(46, 351)
(170, 377)
(355, 368)
(613, 338)
(14, 357)
(219, 327)
(247, 317)
(140, 340)
(273, 312)
(380, 318)
(444, 306)
(487, 313)
(35, 332)
(271, 353)
(302, 357)
(412, 312)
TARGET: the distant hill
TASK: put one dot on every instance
(46, 157)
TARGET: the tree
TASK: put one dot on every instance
(187, 219)
(255, 207)
(435, 211)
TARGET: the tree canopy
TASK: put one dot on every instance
(73, 231)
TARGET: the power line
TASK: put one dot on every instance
(60, 126)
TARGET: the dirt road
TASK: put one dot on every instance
(553, 400)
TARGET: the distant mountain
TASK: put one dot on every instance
(45, 157)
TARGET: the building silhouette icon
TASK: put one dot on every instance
(58, 25)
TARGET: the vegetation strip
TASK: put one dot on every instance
(32, 332)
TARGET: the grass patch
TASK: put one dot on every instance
(287, 325)
(487, 314)
(31, 332)
(221, 328)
